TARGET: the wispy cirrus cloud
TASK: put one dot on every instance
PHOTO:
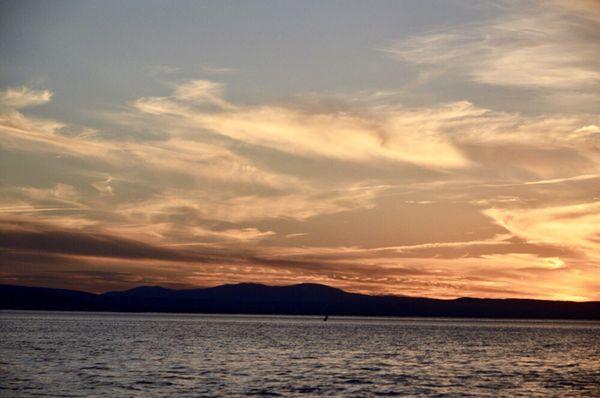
(451, 136)
(389, 134)
(549, 45)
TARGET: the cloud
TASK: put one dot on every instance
(179, 155)
(574, 226)
(388, 134)
(29, 237)
(23, 97)
(60, 192)
(33, 250)
(395, 256)
(200, 91)
(104, 186)
(227, 235)
(32, 134)
(232, 206)
(161, 180)
(454, 137)
(217, 69)
(583, 177)
(551, 45)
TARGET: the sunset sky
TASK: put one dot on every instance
(424, 148)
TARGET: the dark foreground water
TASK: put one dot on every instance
(87, 354)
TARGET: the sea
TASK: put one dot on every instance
(71, 354)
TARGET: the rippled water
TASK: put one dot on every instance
(86, 354)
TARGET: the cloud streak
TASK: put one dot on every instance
(548, 45)
(392, 134)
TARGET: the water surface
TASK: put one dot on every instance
(102, 354)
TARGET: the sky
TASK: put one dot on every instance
(423, 148)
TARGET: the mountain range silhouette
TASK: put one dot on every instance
(301, 299)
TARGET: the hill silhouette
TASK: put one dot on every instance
(302, 299)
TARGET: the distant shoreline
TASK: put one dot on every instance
(302, 299)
